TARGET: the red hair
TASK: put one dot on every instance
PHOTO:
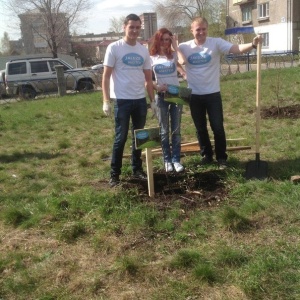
(156, 43)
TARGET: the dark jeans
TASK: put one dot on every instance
(169, 113)
(124, 110)
(210, 104)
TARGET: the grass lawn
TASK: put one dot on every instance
(64, 234)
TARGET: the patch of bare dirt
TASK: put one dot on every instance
(194, 189)
(291, 111)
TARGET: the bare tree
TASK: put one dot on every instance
(116, 24)
(174, 13)
(5, 45)
(48, 20)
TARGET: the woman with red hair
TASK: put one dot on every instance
(165, 57)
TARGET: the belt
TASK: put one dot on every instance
(161, 94)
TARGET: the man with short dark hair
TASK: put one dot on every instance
(127, 70)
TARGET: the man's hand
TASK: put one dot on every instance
(107, 108)
(154, 109)
(258, 39)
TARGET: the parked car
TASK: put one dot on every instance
(31, 76)
(99, 68)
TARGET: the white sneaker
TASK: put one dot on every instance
(178, 167)
(168, 167)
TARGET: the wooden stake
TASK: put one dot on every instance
(194, 148)
(150, 172)
(196, 143)
(212, 141)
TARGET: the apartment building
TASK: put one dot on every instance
(277, 20)
(149, 25)
(36, 35)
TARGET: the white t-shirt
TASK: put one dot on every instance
(165, 69)
(128, 62)
(203, 64)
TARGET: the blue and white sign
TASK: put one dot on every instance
(141, 135)
(173, 89)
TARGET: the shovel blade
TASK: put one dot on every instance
(256, 170)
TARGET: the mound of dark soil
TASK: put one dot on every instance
(194, 189)
(291, 111)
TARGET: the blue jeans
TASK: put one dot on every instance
(169, 113)
(125, 109)
(212, 105)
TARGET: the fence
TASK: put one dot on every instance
(232, 64)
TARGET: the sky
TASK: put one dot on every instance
(97, 19)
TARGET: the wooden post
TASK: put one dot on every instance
(61, 81)
(148, 138)
(151, 192)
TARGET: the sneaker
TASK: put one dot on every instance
(140, 174)
(178, 167)
(114, 180)
(168, 167)
(222, 164)
(206, 160)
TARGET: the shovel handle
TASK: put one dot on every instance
(258, 87)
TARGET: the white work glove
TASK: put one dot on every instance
(107, 108)
(154, 109)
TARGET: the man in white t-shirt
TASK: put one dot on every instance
(127, 70)
(202, 67)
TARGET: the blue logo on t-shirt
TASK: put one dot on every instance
(199, 58)
(133, 60)
(165, 68)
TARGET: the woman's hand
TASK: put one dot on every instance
(161, 88)
(174, 41)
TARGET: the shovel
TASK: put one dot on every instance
(257, 169)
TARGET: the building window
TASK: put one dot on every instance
(265, 36)
(247, 14)
(263, 10)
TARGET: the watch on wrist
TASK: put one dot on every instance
(254, 46)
